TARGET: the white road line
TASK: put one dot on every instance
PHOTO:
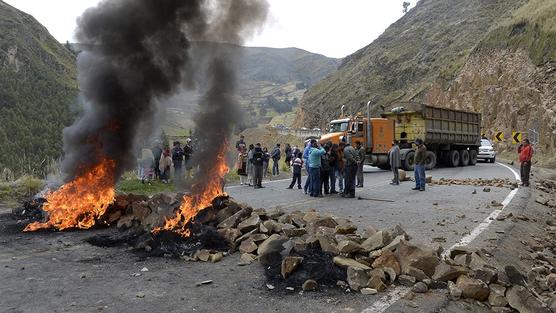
(516, 174)
(395, 295)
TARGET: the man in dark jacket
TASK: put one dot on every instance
(325, 169)
(177, 158)
(275, 155)
(333, 158)
(257, 160)
(394, 158)
(187, 153)
(420, 160)
(361, 160)
(157, 153)
(350, 168)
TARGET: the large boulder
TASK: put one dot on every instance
(348, 247)
(289, 265)
(328, 244)
(234, 220)
(229, 234)
(357, 277)
(271, 249)
(248, 246)
(387, 259)
(347, 262)
(497, 297)
(446, 272)
(141, 210)
(524, 301)
(228, 211)
(250, 223)
(418, 257)
(376, 241)
(472, 288)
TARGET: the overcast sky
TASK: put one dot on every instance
(333, 28)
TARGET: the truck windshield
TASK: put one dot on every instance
(338, 127)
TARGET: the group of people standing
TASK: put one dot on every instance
(157, 163)
(253, 161)
(330, 166)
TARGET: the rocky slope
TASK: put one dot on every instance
(511, 78)
(37, 87)
(496, 57)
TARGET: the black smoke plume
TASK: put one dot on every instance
(136, 54)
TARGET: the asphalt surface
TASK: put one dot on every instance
(58, 272)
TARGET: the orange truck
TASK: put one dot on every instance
(452, 136)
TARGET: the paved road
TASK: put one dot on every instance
(57, 272)
(414, 210)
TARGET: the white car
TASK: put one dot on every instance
(486, 151)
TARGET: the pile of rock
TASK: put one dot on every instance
(467, 274)
(547, 192)
(495, 182)
(138, 210)
(308, 249)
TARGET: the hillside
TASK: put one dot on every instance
(496, 57)
(270, 82)
(37, 87)
(511, 78)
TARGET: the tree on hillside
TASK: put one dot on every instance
(406, 6)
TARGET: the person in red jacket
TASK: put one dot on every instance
(525, 151)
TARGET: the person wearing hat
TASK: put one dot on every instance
(420, 159)
(187, 153)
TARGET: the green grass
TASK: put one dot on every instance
(13, 192)
(135, 186)
(532, 28)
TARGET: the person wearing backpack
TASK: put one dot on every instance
(276, 160)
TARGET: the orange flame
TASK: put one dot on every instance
(201, 197)
(81, 202)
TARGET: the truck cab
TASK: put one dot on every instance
(375, 134)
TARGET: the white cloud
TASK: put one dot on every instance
(332, 27)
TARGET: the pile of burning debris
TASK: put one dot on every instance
(495, 182)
